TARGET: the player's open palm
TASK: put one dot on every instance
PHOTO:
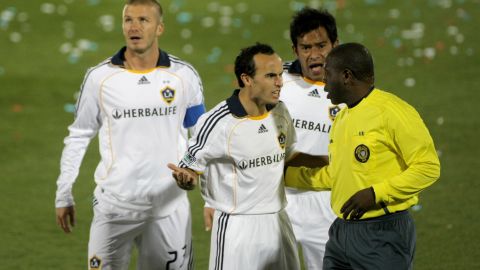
(186, 178)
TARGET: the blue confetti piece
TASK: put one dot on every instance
(184, 17)
(69, 108)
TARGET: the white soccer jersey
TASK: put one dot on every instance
(311, 111)
(142, 120)
(241, 158)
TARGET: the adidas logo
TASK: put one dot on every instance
(143, 80)
(262, 129)
(314, 93)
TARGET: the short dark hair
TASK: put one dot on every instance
(354, 57)
(244, 62)
(147, 2)
(308, 19)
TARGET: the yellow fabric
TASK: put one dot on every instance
(398, 154)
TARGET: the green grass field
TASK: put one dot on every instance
(427, 52)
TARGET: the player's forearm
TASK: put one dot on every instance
(307, 178)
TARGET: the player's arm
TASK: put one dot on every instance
(305, 160)
(186, 178)
(195, 104)
(415, 147)
(84, 128)
(308, 178)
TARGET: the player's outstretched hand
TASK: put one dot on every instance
(66, 218)
(186, 178)
(359, 204)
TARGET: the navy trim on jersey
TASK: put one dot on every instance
(119, 58)
(192, 115)
(293, 67)
(236, 107)
(221, 232)
(207, 128)
(82, 87)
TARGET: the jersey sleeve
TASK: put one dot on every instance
(195, 104)
(415, 147)
(308, 178)
(85, 126)
(291, 138)
(206, 144)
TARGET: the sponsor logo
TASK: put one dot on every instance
(332, 112)
(143, 112)
(314, 93)
(282, 140)
(168, 94)
(143, 80)
(95, 263)
(310, 125)
(262, 129)
(362, 153)
(260, 161)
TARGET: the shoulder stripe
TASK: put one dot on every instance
(176, 60)
(87, 75)
(207, 128)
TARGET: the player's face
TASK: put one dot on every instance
(311, 51)
(334, 85)
(267, 82)
(141, 27)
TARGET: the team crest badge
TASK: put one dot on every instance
(168, 94)
(95, 263)
(332, 112)
(282, 139)
(189, 159)
(362, 153)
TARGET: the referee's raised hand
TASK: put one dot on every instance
(186, 178)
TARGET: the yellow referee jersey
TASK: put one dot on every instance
(381, 142)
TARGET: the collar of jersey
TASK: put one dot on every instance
(119, 58)
(295, 68)
(237, 109)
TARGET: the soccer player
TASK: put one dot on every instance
(381, 157)
(141, 101)
(313, 34)
(239, 149)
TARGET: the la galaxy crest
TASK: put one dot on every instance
(168, 94)
(95, 263)
(332, 111)
(282, 140)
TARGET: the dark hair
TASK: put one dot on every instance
(244, 62)
(354, 57)
(147, 2)
(308, 19)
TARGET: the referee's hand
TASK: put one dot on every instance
(186, 178)
(359, 204)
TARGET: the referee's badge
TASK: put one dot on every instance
(332, 111)
(362, 153)
(282, 140)
(95, 263)
(168, 94)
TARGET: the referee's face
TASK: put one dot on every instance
(141, 27)
(266, 84)
(311, 51)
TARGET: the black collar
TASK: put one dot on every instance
(236, 107)
(119, 58)
(295, 68)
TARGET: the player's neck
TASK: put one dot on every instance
(251, 106)
(141, 61)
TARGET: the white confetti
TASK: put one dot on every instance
(440, 121)
(241, 7)
(453, 50)
(62, 10)
(452, 30)
(429, 53)
(66, 47)
(107, 22)
(226, 11)
(15, 37)
(459, 38)
(208, 22)
(409, 82)
(187, 49)
(394, 13)
(225, 21)
(47, 8)
(186, 33)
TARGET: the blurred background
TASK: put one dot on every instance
(426, 51)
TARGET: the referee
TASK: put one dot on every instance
(381, 156)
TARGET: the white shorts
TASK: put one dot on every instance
(311, 216)
(162, 243)
(253, 242)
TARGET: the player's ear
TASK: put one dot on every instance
(347, 76)
(160, 29)
(294, 49)
(247, 80)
